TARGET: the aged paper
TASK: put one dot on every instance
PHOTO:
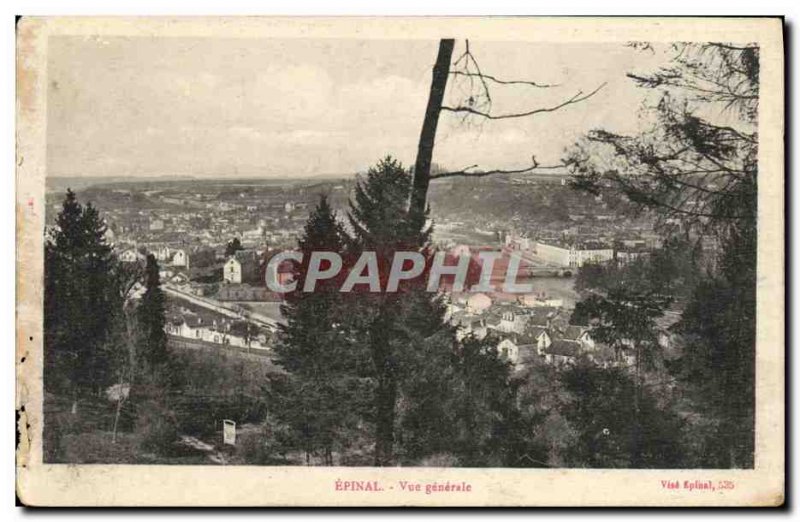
(221, 224)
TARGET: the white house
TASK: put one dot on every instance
(163, 253)
(586, 341)
(509, 350)
(540, 337)
(241, 267)
(512, 321)
(131, 256)
(180, 258)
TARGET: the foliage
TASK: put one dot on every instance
(696, 170)
(81, 299)
(614, 430)
(316, 399)
(156, 426)
(233, 246)
(153, 346)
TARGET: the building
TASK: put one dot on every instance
(507, 318)
(162, 253)
(478, 303)
(562, 352)
(180, 258)
(573, 255)
(508, 350)
(242, 267)
(131, 256)
(537, 300)
(515, 242)
(631, 254)
(245, 292)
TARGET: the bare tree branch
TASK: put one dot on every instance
(504, 82)
(468, 172)
(577, 98)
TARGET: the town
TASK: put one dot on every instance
(214, 240)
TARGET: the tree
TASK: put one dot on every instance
(477, 103)
(318, 398)
(396, 327)
(618, 426)
(80, 302)
(696, 170)
(490, 431)
(151, 320)
(233, 246)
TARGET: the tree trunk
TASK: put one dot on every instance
(386, 392)
(116, 421)
(74, 409)
(384, 440)
(636, 457)
(427, 138)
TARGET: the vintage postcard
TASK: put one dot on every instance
(400, 261)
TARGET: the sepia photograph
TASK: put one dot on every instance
(402, 263)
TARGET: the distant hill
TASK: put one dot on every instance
(60, 184)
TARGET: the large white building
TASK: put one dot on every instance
(180, 258)
(573, 256)
(242, 267)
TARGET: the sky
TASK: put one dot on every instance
(283, 108)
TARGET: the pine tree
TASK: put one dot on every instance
(398, 328)
(81, 299)
(151, 320)
(233, 246)
(318, 397)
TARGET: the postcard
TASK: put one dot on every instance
(485, 261)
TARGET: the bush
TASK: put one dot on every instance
(156, 427)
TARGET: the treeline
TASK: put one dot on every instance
(381, 378)
(107, 367)
(696, 171)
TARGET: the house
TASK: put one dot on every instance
(562, 352)
(586, 341)
(542, 316)
(537, 336)
(506, 318)
(162, 254)
(242, 267)
(180, 258)
(131, 256)
(508, 350)
(572, 332)
(245, 292)
(604, 356)
(179, 279)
